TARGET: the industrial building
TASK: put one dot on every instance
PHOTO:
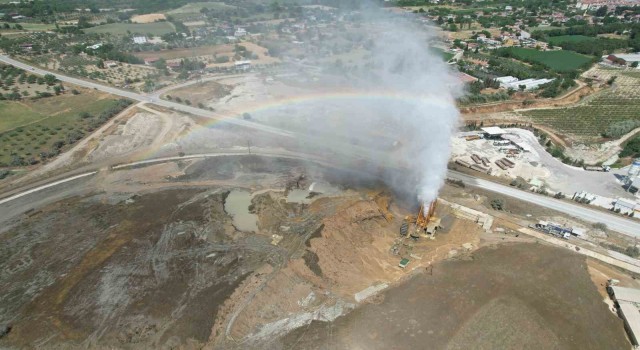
(626, 206)
(633, 174)
(493, 132)
(627, 300)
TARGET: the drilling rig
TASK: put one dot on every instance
(424, 224)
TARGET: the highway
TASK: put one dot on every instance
(613, 222)
(148, 99)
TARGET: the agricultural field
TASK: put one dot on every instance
(148, 18)
(560, 60)
(556, 40)
(34, 130)
(195, 7)
(156, 28)
(29, 26)
(185, 52)
(591, 118)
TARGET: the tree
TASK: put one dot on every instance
(100, 64)
(522, 87)
(50, 79)
(57, 89)
(601, 11)
(634, 64)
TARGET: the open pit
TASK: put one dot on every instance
(154, 256)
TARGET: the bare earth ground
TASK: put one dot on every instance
(148, 18)
(511, 297)
(152, 260)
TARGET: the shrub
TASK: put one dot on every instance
(497, 204)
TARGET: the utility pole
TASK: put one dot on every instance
(249, 145)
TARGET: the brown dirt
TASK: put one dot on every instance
(148, 18)
(344, 253)
(574, 96)
(204, 92)
(142, 274)
(506, 297)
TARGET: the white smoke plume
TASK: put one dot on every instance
(390, 114)
(387, 114)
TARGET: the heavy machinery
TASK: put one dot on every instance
(424, 224)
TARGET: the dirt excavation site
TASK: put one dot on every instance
(189, 233)
(238, 252)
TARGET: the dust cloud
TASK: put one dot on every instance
(388, 114)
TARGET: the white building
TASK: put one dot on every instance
(510, 82)
(506, 80)
(240, 33)
(625, 206)
(95, 46)
(139, 39)
(242, 65)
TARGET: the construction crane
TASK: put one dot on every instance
(424, 224)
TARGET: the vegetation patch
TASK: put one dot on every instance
(557, 40)
(631, 148)
(33, 131)
(196, 7)
(559, 60)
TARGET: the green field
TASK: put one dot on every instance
(155, 28)
(31, 26)
(556, 40)
(195, 7)
(30, 127)
(560, 60)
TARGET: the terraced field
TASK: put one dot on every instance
(592, 117)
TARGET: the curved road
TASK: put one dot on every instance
(613, 222)
(148, 98)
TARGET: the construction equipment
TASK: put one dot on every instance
(425, 224)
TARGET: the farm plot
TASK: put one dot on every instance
(196, 7)
(156, 28)
(560, 60)
(590, 119)
(556, 40)
(36, 130)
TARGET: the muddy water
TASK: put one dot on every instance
(237, 205)
(298, 196)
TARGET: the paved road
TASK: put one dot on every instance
(231, 119)
(614, 222)
(43, 187)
